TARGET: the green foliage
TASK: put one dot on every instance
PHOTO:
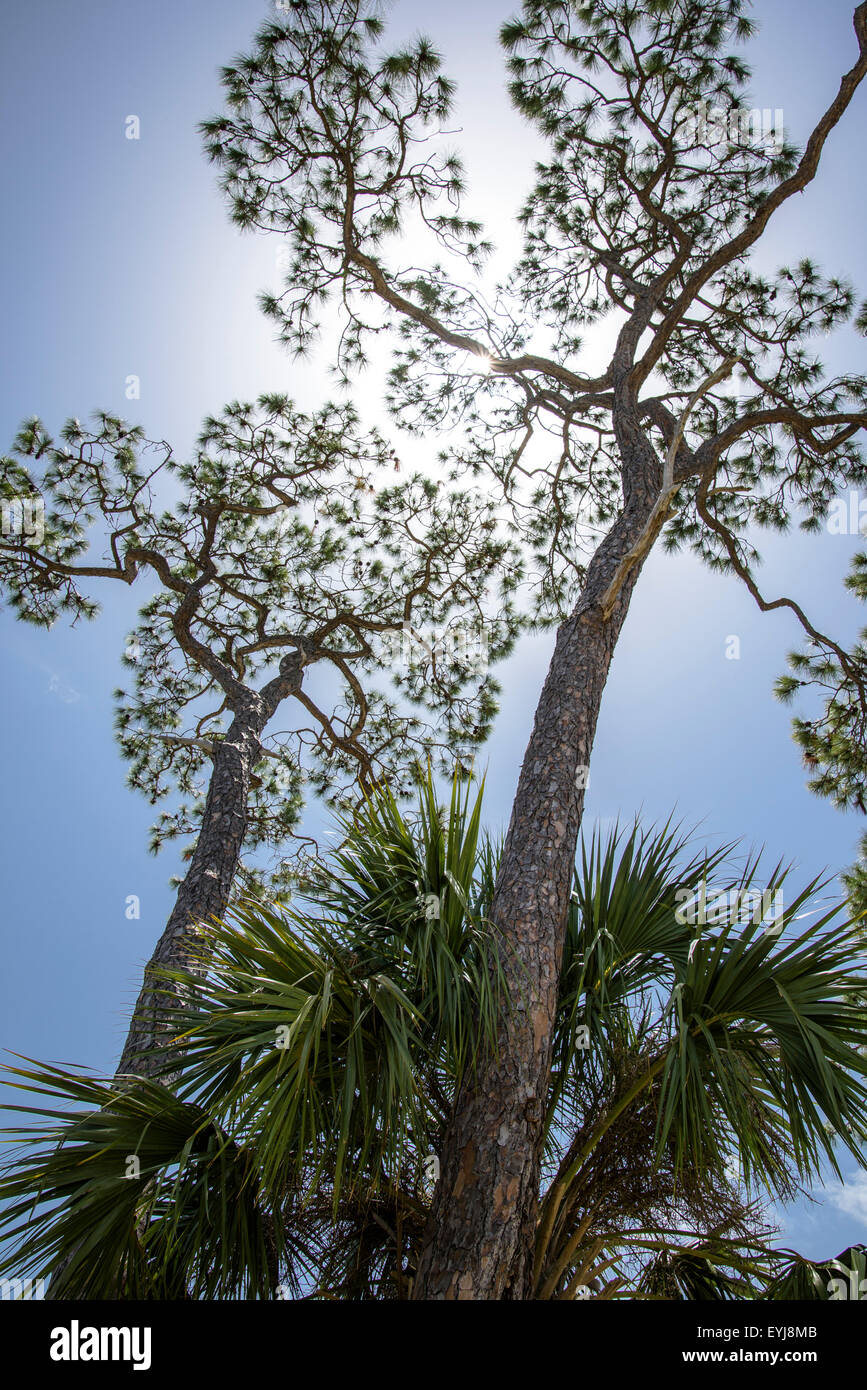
(335, 100)
(157, 1201)
(823, 1280)
(654, 188)
(318, 1050)
(79, 490)
(381, 982)
(322, 1046)
(288, 537)
(704, 1042)
(654, 191)
(834, 742)
(736, 1036)
(691, 1274)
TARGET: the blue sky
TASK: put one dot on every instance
(120, 259)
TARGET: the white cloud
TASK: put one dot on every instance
(67, 693)
(849, 1197)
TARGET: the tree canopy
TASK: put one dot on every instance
(641, 216)
(283, 544)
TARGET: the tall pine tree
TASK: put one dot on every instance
(654, 193)
(281, 558)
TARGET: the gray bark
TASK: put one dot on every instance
(203, 894)
(480, 1236)
(205, 890)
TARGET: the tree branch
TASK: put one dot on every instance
(662, 506)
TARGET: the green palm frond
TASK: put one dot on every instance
(837, 1280)
(320, 1046)
(321, 1029)
(685, 1038)
(623, 934)
(135, 1194)
(296, 1038)
(700, 1273)
(766, 1031)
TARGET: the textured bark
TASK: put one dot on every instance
(203, 893)
(205, 890)
(480, 1236)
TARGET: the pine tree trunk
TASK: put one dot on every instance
(480, 1236)
(204, 892)
(206, 888)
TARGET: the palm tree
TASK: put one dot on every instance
(705, 1060)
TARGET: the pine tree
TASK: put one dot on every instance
(280, 556)
(653, 194)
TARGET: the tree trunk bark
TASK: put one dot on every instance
(205, 891)
(203, 894)
(480, 1237)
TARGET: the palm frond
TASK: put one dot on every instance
(135, 1194)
